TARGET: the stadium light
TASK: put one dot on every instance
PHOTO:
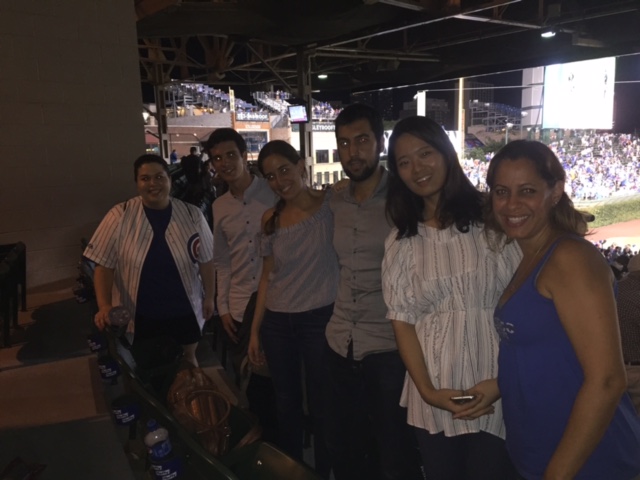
(506, 135)
(548, 33)
(522, 115)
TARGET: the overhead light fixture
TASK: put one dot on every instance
(548, 33)
(322, 76)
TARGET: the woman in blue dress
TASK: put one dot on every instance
(560, 367)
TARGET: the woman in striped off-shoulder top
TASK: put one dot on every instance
(295, 296)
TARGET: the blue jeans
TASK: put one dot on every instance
(366, 429)
(289, 341)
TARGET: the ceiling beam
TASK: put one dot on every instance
(146, 8)
(417, 5)
(404, 26)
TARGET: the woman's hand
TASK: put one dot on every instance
(101, 319)
(256, 356)
(441, 398)
(487, 393)
(341, 185)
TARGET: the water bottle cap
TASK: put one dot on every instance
(152, 425)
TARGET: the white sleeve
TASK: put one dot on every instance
(205, 253)
(102, 247)
(397, 270)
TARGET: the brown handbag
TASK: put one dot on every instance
(199, 406)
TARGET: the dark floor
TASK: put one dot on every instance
(52, 405)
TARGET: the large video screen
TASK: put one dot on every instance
(579, 95)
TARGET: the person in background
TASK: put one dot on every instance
(173, 157)
(295, 298)
(154, 256)
(628, 303)
(197, 190)
(561, 371)
(237, 216)
(367, 434)
(208, 172)
(192, 161)
(441, 281)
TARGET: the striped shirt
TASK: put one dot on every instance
(123, 238)
(236, 224)
(305, 270)
(447, 283)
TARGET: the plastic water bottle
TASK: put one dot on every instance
(126, 413)
(164, 464)
(109, 369)
(111, 376)
(119, 318)
(97, 342)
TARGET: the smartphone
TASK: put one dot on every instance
(462, 399)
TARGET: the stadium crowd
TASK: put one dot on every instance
(598, 165)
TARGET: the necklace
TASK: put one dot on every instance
(513, 284)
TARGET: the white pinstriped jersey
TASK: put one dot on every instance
(447, 284)
(123, 238)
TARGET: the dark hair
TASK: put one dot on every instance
(460, 203)
(564, 217)
(282, 148)
(226, 135)
(359, 111)
(149, 158)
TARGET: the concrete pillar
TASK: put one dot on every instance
(70, 124)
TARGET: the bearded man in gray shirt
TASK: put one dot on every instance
(366, 429)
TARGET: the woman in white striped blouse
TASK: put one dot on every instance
(441, 281)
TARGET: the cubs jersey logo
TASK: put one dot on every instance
(193, 246)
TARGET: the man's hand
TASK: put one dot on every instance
(230, 327)
(101, 318)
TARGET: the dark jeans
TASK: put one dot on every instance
(290, 340)
(259, 389)
(367, 433)
(473, 456)
(236, 352)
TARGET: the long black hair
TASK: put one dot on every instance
(460, 203)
